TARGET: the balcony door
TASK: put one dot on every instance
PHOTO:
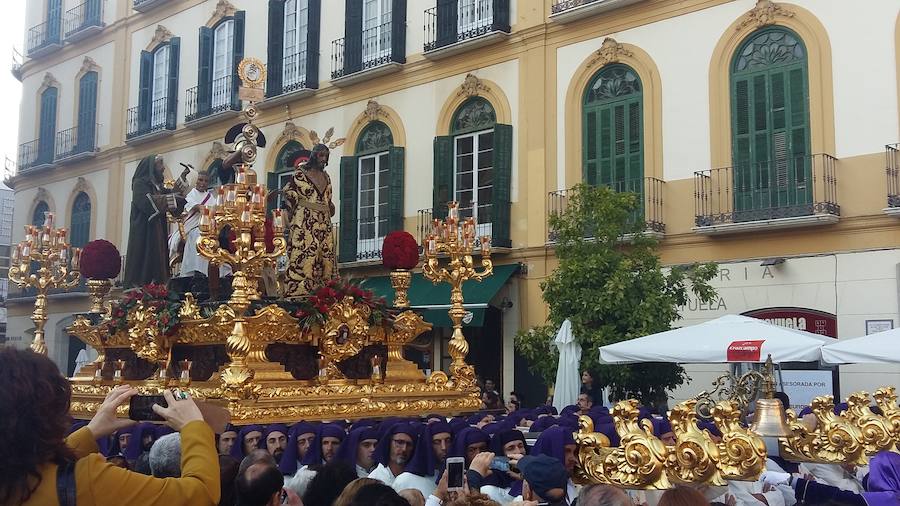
(474, 14)
(47, 129)
(770, 126)
(159, 86)
(376, 30)
(374, 194)
(222, 65)
(296, 33)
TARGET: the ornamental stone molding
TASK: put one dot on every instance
(472, 86)
(291, 132)
(88, 65)
(42, 195)
(610, 52)
(48, 82)
(81, 185)
(373, 112)
(161, 36)
(224, 9)
(765, 13)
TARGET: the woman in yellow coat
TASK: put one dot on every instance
(40, 466)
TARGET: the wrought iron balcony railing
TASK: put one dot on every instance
(789, 187)
(35, 154)
(71, 142)
(219, 98)
(43, 37)
(471, 19)
(892, 167)
(153, 118)
(84, 17)
(361, 240)
(146, 5)
(357, 52)
(650, 191)
(294, 72)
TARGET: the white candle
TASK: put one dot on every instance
(485, 244)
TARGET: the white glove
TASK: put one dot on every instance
(776, 478)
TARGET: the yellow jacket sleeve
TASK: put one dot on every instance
(103, 484)
(82, 443)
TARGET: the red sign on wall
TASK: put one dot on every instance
(745, 351)
(817, 322)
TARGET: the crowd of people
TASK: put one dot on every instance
(520, 457)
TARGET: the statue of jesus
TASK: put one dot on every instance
(311, 258)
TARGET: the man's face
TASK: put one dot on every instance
(401, 448)
(303, 443)
(365, 453)
(158, 168)
(251, 441)
(202, 182)
(489, 385)
(440, 444)
(123, 440)
(330, 447)
(570, 458)
(147, 441)
(513, 448)
(323, 158)
(474, 449)
(668, 439)
(276, 443)
(584, 404)
(226, 441)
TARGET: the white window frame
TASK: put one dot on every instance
(159, 84)
(480, 227)
(376, 13)
(372, 243)
(222, 63)
(472, 14)
(296, 31)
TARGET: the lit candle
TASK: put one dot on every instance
(432, 244)
(76, 259)
(48, 219)
(16, 254)
(485, 245)
(245, 214)
(277, 220)
(230, 195)
(29, 233)
(454, 210)
(204, 218)
(26, 250)
(241, 176)
(220, 197)
(256, 199)
(45, 237)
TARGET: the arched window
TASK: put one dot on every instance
(770, 125)
(473, 166)
(37, 218)
(47, 128)
(80, 231)
(613, 131)
(371, 193)
(283, 170)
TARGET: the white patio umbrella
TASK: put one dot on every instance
(568, 378)
(730, 338)
(878, 348)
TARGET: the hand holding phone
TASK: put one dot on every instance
(456, 470)
(140, 408)
(500, 463)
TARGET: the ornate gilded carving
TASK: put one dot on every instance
(834, 439)
(345, 334)
(886, 399)
(160, 36)
(876, 431)
(224, 9)
(763, 14)
(407, 326)
(593, 448)
(472, 86)
(693, 458)
(610, 52)
(373, 112)
(742, 454)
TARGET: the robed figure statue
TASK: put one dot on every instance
(310, 248)
(147, 258)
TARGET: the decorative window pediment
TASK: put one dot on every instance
(475, 114)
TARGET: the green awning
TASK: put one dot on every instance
(433, 301)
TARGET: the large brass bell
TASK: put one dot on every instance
(769, 419)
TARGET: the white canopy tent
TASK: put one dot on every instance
(879, 348)
(730, 338)
(568, 377)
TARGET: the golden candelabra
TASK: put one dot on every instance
(241, 209)
(44, 261)
(455, 237)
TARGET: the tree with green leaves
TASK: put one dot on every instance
(613, 287)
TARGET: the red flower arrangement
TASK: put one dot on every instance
(400, 251)
(156, 297)
(314, 309)
(100, 260)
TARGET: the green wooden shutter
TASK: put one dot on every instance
(349, 208)
(240, 22)
(144, 106)
(500, 21)
(443, 175)
(740, 131)
(172, 85)
(54, 20)
(87, 113)
(590, 146)
(80, 232)
(503, 142)
(396, 157)
(314, 23)
(204, 72)
(447, 30)
(93, 14)
(353, 37)
(47, 136)
(398, 31)
(275, 65)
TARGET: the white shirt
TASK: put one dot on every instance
(383, 474)
(361, 471)
(424, 484)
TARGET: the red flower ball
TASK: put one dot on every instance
(100, 260)
(400, 251)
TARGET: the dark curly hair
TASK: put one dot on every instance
(35, 399)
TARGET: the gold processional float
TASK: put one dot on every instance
(257, 390)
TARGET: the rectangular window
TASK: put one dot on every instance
(474, 14)
(223, 59)
(160, 86)
(473, 169)
(376, 30)
(283, 178)
(296, 30)
(374, 194)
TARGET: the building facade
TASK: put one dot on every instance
(754, 132)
